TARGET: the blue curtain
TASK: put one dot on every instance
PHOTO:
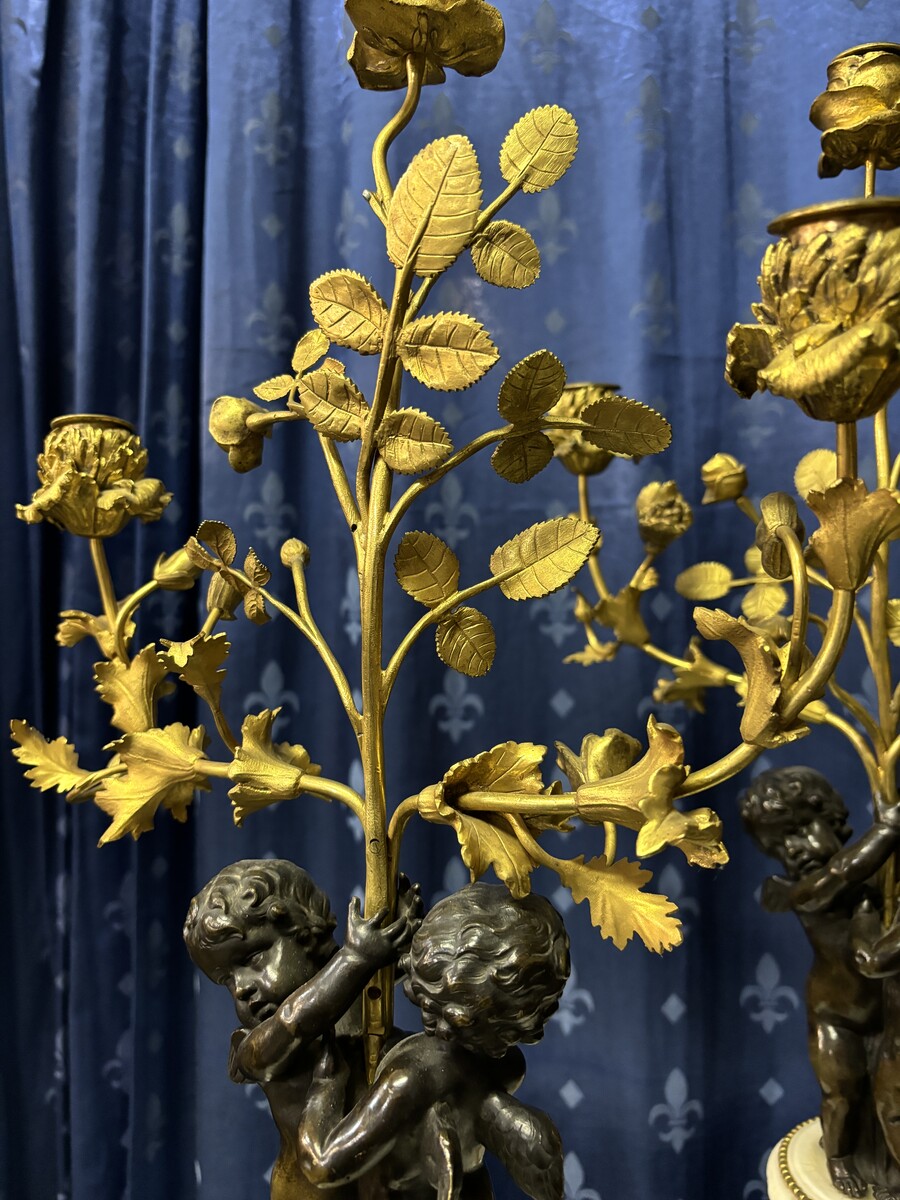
(173, 173)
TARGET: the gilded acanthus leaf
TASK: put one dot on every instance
(543, 558)
(622, 426)
(815, 472)
(51, 764)
(521, 456)
(448, 351)
(691, 681)
(199, 662)
(264, 773)
(619, 907)
(704, 581)
(539, 148)
(274, 389)
(311, 347)
(762, 602)
(853, 524)
(506, 255)
(508, 767)
(466, 642)
(75, 625)
(132, 689)
(426, 568)
(411, 441)
(435, 207)
(349, 311)
(160, 772)
(333, 403)
(622, 614)
(531, 387)
(893, 621)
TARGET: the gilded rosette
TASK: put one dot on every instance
(570, 446)
(464, 35)
(859, 112)
(663, 515)
(828, 324)
(92, 478)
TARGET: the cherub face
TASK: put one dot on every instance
(480, 1033)
(803, 844)
(260, 969)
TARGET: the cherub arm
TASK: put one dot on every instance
(845, 870)
(527, 1143)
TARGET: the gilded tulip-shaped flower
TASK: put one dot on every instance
(663, 515)
(570, 446)
(92, 478)
(724, 478)
(465, 35)
(859, 113)
(228, 426)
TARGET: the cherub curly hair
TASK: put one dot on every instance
(482, 952)
(781, 796)
(260, 891)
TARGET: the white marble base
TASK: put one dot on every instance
(796, 1169)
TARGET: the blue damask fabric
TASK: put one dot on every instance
(173, 173)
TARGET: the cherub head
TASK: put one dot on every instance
(486, 969)
(261, 928)
(795, 816)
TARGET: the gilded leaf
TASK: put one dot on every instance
(447, 351)
(761, 603)
(531, 387)
(815, 472)
(274, 389)
(622, 614)
(539, 148)
(132, 689)
(893, 621)
(543, 558)
(311, 347)
(333, 403)
(489, 842)
(264, 773)
(255, 570)
(198, 662)
(435, 207)
(704, 581)
(411, 441)
(853, 524)
(624, 426)
(349, 311)
(465, 641)
(426, 568)
(161, 772)
(52, 764)
(520, 457)
(619, 908)
(75, 625)
(509, 767)
(506, 255)
(221, 542)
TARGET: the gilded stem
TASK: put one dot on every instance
(107, 594)
(584, 512)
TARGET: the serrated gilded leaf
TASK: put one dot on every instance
(198, 663)
(466, 642)
(505, 255)
(132, 689)
(520, 457)
(255, 570)
(411, 441)
(619, 907)
(544, 557)
(435, 206)
(349, 311)
(486, 843)
(854, 522)
(447, 352)
(624, 426)
(333, 404)
(531, 387)
(75, 625)
(221, 540)
(762, 602)
(704, 581)
(275, 388)
(51, 764)
(426, 568)
(507, 767)
(539, 148)
(815, 472)
(263, 772)
(311, 347)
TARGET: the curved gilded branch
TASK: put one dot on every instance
(311, 785)
(863, 753)
(800, 619)
(129, 605)
(384, 190)
(721, 770)
(813, 682)
(584, 511)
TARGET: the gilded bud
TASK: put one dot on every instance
(92, 478)
(293, 551)
(663, 515)
(724, 478)
(175, 572)
(228, 419)
(777, 510)
(570, 446)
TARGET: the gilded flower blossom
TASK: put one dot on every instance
(465, 35)
(572, 449)
(92, 478)
(724, 478)
(663, 515)
(859, 113)
(228, 426)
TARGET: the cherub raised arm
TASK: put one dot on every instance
(264, 930)
(487, 971)
(795, 816)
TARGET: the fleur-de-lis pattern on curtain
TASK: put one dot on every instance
(173, 173)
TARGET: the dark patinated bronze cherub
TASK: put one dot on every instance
(264, 930)
(487, 971)
(794, 815)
